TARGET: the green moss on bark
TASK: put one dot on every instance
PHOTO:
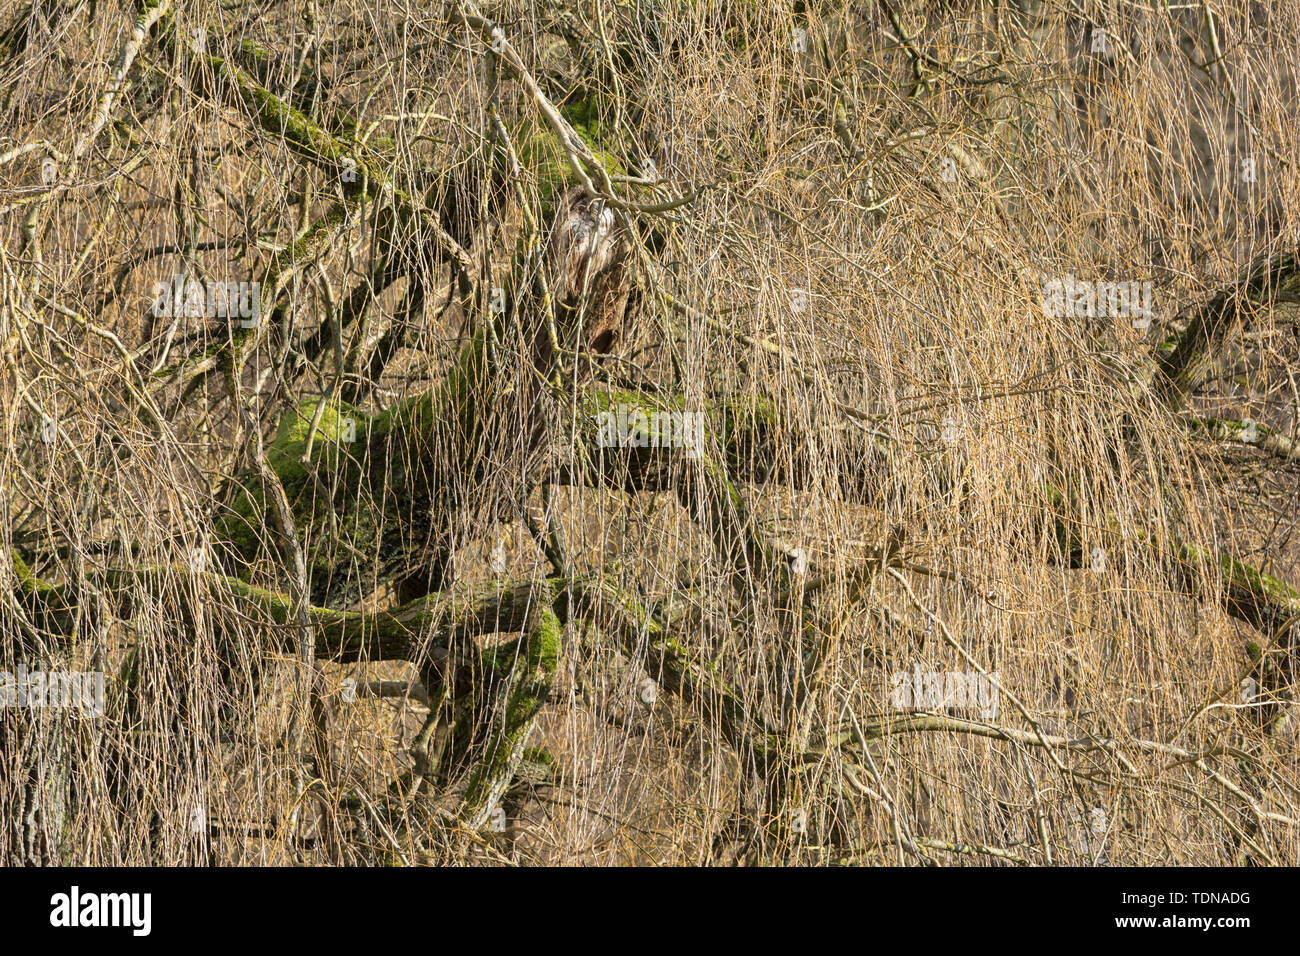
(531, 663)
(542, 156)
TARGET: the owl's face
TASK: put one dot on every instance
(587, 242)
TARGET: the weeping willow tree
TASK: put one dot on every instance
(648, 432)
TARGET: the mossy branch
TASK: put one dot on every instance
(676, 667)
(1252, 434)
(1185, 368)
(530, 664)
(402, 633)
